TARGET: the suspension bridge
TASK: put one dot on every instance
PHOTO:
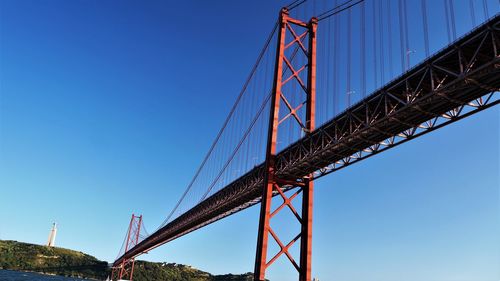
(335, 83)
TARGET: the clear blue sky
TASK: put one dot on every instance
(107, 108)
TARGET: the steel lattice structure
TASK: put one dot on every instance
(272, 183)
(460, 80)
(125, 269)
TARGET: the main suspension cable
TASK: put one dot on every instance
(228, 118)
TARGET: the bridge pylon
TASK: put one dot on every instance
(291, 33)
(125, 270)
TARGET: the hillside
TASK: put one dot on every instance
(146, 271)
(52, 260)
(168, 271)
(59, 261)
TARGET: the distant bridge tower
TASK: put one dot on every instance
(125, 270)
(51, 242)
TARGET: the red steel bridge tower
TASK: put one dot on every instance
(126, 268)
(297, 31)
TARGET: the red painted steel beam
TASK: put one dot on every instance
(263, 234)
(126, 267)
(308, 190)
(271, 182)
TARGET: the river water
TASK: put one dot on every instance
(9, 275)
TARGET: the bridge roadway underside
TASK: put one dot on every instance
(465, 74)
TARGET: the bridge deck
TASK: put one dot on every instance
(429, 96)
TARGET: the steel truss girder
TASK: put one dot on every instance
(439, 88)
(460, 80)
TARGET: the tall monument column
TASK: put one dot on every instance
(52, 236)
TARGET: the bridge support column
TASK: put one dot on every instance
(126, 268)
(274, 185)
